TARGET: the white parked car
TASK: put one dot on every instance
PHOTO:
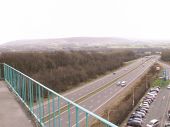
(153, 123)
(168, 87)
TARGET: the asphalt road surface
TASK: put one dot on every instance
(91, 88)
(97, 101)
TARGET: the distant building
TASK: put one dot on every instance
(148, 53)
(158, 53)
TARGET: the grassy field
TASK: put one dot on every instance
(160, 82)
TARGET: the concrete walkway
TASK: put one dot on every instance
(11, 113)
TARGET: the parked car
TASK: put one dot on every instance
(149, 97)
(145, 105)
(153, 123)
(140, 113)
(168, 87)
(168, 114)
(135, 119)
(154, 89)
(146, 102)
(167, 124)
(136, 115)
(134, 124)
(143, 108)
(152, 94)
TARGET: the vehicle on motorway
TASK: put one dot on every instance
(168, 87)
(118, 83)
(153, 123)
(167, 124)
(123, 83)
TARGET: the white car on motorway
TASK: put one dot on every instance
(118, 83)
(123, 83)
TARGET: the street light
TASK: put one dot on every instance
(133, 102)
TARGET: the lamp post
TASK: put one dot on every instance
(133, 102)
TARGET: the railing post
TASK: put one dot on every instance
(1, 71)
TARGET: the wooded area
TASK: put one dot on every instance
(166, 56)
(61, 71)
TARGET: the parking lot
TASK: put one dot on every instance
(159, 108)
(154, 106)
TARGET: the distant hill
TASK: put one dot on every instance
(76, 43)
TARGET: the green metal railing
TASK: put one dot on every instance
(46, 105)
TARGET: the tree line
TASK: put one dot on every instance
(165, 56)
(61, 71)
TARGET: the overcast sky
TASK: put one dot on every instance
(134, 19)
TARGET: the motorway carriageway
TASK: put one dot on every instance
(91, 88)
(97, 100)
